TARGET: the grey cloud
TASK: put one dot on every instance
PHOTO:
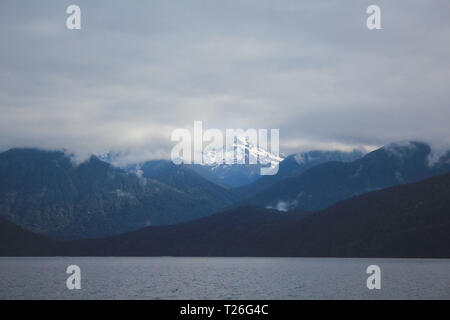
(137, 70)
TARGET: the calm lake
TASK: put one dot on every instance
(223, 278)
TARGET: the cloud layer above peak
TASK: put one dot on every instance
(138, 70)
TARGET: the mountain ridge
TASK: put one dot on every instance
(295, 165)
(411, 220)
(45, 192)
(404, 221)
(325, 184)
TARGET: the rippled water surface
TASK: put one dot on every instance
(223, 278)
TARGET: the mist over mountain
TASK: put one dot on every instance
(43, 191)
(325, 184)
(228, 167)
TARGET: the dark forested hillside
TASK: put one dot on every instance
(15, 241)
(44, 192)
(410, 220)
(295, 165)
(407, 220)
(184, 178)
(326, 184)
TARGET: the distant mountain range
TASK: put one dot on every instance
(325, 184)
(184, 178)
(238, 170)
(411, 220)
(45, 192)
(223, 174)
(295, 165)
(229, 176)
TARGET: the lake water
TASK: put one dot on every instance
(223, 278)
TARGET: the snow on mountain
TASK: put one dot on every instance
(240, 152)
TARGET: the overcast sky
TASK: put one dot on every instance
(139, 69)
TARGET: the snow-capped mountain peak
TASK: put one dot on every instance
(240, 152)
